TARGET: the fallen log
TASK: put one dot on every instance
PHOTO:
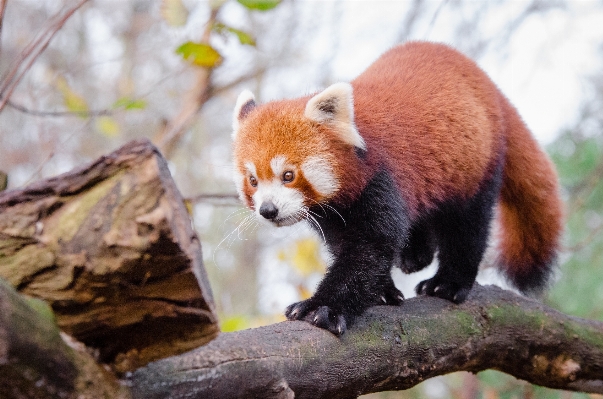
(111, 248)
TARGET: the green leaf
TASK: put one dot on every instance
(174, 12)
(200, 54)
(260, 5)
(107, 126)
(129, 104)
(244, 37)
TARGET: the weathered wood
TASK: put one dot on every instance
(111, 248)
(389, 348)
(35, 363)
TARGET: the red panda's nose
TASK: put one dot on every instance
(268, 210)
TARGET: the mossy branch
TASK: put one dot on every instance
(389, 348)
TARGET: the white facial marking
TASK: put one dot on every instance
(278, 165)
(319, 174)
(288, 201)
(238, 178)
(251, 168)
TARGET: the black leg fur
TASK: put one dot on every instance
(419, 250)
(364, 248)
(461, 229)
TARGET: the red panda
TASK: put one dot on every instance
(411, 157)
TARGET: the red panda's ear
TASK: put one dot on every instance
(245, 103)
(335, 106)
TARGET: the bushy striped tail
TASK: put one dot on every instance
(530, 210)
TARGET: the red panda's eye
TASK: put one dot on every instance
(253, 181)
(288, 176)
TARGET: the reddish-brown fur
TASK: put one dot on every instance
(439, 124)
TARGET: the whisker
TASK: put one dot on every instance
(315, 222)
(324, 205)
(230, 237)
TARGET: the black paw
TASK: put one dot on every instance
(323, 317)
(442, 288)
(391, 296)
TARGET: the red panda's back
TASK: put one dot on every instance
(433, 117)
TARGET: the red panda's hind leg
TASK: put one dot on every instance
(462, 230)
(419, 249)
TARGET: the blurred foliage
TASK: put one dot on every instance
(579, 159)
(174, 12)
(73, 101)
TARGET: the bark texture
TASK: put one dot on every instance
(35, 363)
(389, 348)
(111, 248)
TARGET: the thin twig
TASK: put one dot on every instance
(216, 199)
(2, 8)
(81, 114)
(235, 82)
(33, 51)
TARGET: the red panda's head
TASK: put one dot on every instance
(292, 154)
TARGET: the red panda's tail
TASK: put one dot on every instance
(530, 209)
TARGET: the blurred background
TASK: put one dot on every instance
(80, 78)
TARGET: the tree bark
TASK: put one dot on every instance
(111, 248)
(389, 348)
(35, 363)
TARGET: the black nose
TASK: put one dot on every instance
(268, 210)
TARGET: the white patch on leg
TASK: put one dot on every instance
(319, 174)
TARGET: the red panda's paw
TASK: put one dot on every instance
(442, 288)
(392, 296)
(321, 316)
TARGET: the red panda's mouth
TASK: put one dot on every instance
(286, 221)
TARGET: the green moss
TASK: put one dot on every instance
(77, 210)
(508, 315)
(25, 262)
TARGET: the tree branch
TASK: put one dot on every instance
(193, 100)
(389, 348)
(59, 114)
(32, 51)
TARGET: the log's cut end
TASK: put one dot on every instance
(111, 248)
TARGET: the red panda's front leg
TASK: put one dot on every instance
(358, 279)
(364, 239)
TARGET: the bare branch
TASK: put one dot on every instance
(2, 8)
(192, 102)
(80, 114)
(216, 199)
(31, 53)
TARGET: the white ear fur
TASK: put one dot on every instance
(245, 102)
(335, 105)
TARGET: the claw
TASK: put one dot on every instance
(383, 299)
